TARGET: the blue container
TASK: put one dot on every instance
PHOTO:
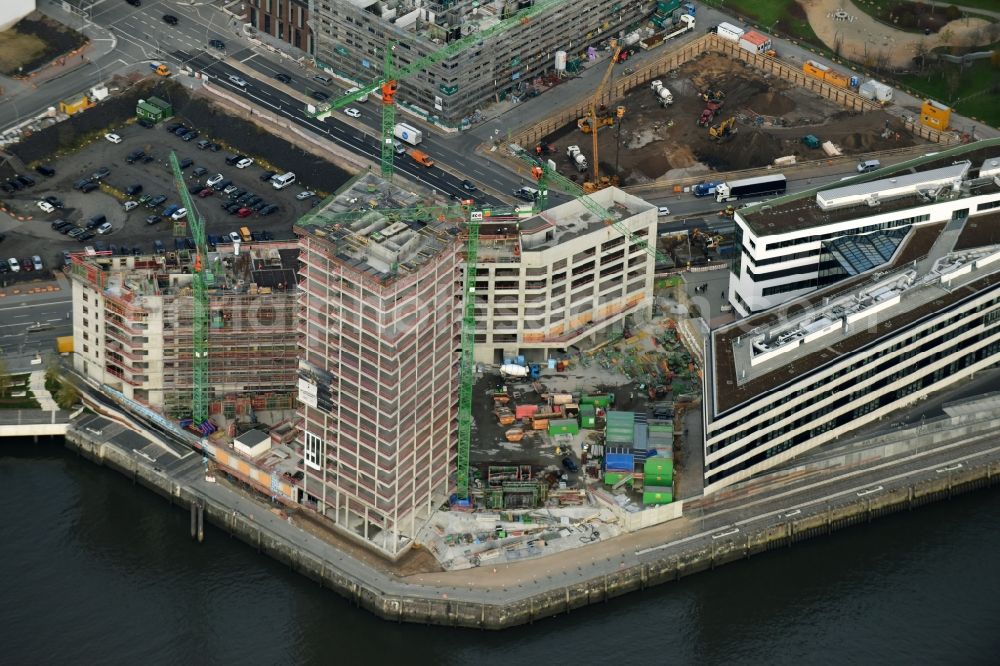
(620, 462)
(855, 81)
(552, 364)
(520, 360)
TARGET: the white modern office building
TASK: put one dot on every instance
(12, 11)
(885, 334)
(798, 243)
(562, 276)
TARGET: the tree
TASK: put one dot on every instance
(67, 396)
(4, 377)
(51, 370)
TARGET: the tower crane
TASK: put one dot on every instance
(202, 278)
(388, 84)
(593, 122)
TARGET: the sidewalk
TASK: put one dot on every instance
(102, 41)
(37, 385)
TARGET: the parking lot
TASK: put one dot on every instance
(130, 230)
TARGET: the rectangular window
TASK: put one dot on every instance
(313, 450)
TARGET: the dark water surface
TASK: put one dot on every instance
(96, 570)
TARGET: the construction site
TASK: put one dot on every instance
(715, 113)
(137, 318)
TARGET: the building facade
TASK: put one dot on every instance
(561, 277)
(133, 329)
(378, 377)
(793, 245)
(286, 20)
(351, 36)
(12, 11)
(913, 311)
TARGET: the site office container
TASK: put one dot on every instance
(729, 31)
(563, 427)
(935, 115)
(754, 42)
(658, 471)
(813, 68)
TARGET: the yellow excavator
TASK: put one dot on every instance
(593, 122)
(724, 129)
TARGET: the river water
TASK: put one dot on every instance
(97, 570)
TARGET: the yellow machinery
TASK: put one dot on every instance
(724, 129)
(594, 123)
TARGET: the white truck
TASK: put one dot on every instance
(577, 157)
(662, 94)
(685, 24)
(407, 133)
(729, 31)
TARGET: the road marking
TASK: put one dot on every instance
(869, 491)
(252, 56)
(731, 532)
(793, 513)
(951, 468)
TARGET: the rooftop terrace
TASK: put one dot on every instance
(572, 219)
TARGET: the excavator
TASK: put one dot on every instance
(594, 122)
(723, 130)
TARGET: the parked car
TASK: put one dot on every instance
(229, 189)
(244, 212)
(156, 201)
(190, 135)
(570, 465)
(244, 163)
(135, 155)
(27, 265)
(231, 160)
(146, 122)
(236, 194)
(102, 173)
(67, 258)
(129, 205)
(194, 189)
(158, 247)
(15, 266)
(36, 262)
(89, 187)
(268, 209)
(198, 172)
(26, 181)
(45, 170)
(96, 221)
(173, 127)
(153, 219)
(85, 236)
(267, 176)
(46, 206)
(221, 185)
(302, 196)
(217, 178)
(231, 206)
(133, 190)
(179, 214)
(78, 185)
(203, 144)
(76, 232)
(104, 228)
(113, 138)
(234, 237)
(171, 209)
(185, 163)
(205, 192)
(136, 250)
(145, 199)
(55, 201)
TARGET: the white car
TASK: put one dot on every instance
(129, 205)
(113, 138)
(46, 206)
(662, 211)
(237, 81)
(302, 196)
(104, 228)
(36, 261)
(233, 236)
(14, 266)
(352, 112)
(244, 163)
(217, 178)
(179, 215)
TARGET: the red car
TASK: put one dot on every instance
(244, 212)
(207, 192)
(27, 265)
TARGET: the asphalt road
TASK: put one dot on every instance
(30, 326)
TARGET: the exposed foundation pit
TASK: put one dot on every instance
(772, 116)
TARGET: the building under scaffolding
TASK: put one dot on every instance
(133, 327)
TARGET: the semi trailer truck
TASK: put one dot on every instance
(751, 187)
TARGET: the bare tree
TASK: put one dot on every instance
(920, 52)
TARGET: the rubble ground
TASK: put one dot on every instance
(772, 116)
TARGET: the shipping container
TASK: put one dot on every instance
(657, 495)
(838, 79)
(813, 68)
(64, 344)
(563, 427)
(599, 400)
(525, 411)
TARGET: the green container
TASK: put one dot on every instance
(657, 495)
(563, 427)
(166, 107)
(611, 478)
(149, 112)
(588, 416)
(602, 400)
(659, 467)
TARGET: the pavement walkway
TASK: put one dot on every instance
(37, 385)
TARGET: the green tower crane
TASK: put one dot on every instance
(387, 85)
(202, 278)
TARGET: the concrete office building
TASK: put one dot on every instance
(794, 377)
(133, 329)
(378, 376)
(287, 20)
(12, 11)
(796, 244)
(351, 35)
(561, 277)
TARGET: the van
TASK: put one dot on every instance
(526, 194)
(420, 157)
(322, 78)
(869, 165)
(245, 234)
(282, 181)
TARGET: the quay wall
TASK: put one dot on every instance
(430, 605)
